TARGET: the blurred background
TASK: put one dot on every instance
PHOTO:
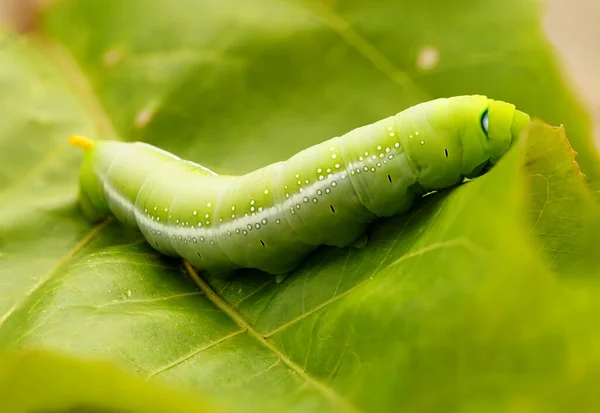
(571, 25)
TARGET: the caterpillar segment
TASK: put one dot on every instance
(271, 218)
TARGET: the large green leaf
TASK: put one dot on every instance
(454, 306)
(66, 385)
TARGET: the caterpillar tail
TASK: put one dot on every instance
(89, 210)
(82, 142)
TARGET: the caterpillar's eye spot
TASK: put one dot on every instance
(446, 152)
(485, 122)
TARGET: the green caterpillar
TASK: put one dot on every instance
(271, 218)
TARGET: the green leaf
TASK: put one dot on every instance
(63, 384)
(455, 306)
(563, 211)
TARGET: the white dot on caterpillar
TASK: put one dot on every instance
(387, 150)
(379, 164)
(319, 170)
(328, 170)
(343, 176)
(292, 210)
(417, 133)
(397, 145)
(237, 230)
(264, 221)
(287, 195)
(366, 153)
(297, 206)
(180, 238)
(392, 134)
(229, 233)
(155, 208)
(366, 168)
(301, 189)
(257, 226)
(233, 208)
(252, 202)
(145, 209)
(332, 148)
(152, 217)
(206, 215)
(251, 209)
(372, 169)
(315, 200)
(374, 156)
(390, 128)
(410, 136)
(381, 155)
(245, 232)
(333, 156)
(177, 221)
(212, 242)
(321, 177)
(249, 226)
(385, 161)
(266, 191)
(333, 183)
(351, 173)
(305, 199)
(390, 156)
(319, 192)
(158, 218)
(220, 219)
(337, 166)
(422, 142)
(260, 209)
(207, 222)
(199, 224)
(285, 187)
(327, 190)
(166, 209)
(297, 176)
(232, 215)
(378, 147)
(195, 239)
(306, 181)
(357, 170)
(360, 158)
(195, 212)
(278, 221)
(208, 205)
(299, 182)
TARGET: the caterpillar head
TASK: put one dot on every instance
(502, 125)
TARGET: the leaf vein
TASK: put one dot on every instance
(325, 390)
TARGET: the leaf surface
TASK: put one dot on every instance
(452, 306)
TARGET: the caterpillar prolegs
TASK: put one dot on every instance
(271, 218)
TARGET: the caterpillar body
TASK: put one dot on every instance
(271, 218)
